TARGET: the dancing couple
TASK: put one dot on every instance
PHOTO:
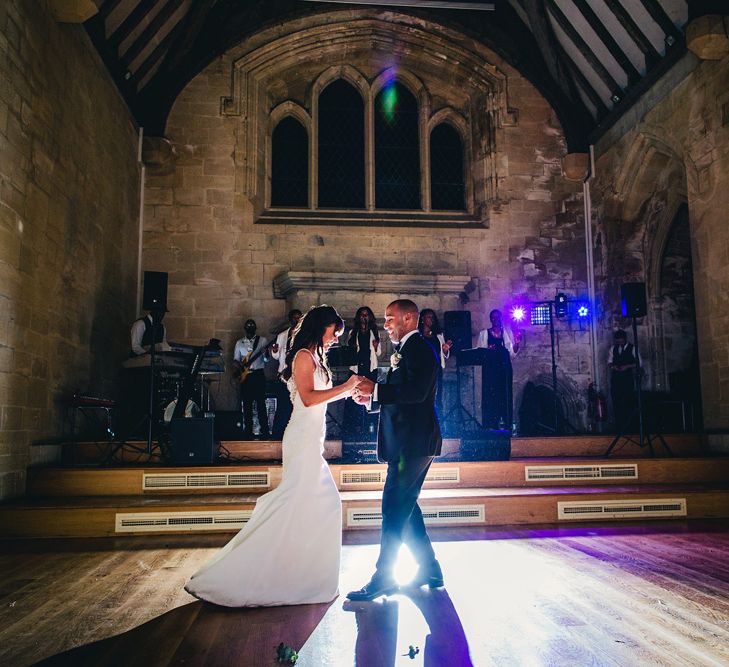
(289, 551)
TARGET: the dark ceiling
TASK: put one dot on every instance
(591, 59)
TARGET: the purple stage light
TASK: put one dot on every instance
(518, 313)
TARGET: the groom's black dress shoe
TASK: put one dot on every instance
(431, 576)
(373, 589)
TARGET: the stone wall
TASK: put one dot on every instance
(676, 154)
(69, 188)
(201, 220)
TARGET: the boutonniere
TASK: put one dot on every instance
(395, 359)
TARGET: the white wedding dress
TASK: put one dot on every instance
(289, 551)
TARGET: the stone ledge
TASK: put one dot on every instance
(290, 282)
(371, 219)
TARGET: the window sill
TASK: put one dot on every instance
(350, 218)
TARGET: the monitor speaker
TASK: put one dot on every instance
(229, 425)
(155, 290)
(633, 300)
(193, 441)
(457, 327)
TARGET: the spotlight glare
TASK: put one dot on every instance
(518, 313)
(583, 310)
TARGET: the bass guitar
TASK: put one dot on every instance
(244, 370)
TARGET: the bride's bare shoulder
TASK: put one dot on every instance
(306, 360)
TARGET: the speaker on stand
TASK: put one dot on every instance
(634, 305)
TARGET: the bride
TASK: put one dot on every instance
(288, 552)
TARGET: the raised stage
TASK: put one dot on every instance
(547, 481)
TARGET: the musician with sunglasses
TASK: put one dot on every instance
(249, 359)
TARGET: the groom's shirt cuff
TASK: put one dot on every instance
(373, 397)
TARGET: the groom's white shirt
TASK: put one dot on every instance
(401, 343)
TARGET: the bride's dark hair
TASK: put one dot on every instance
(308, 334)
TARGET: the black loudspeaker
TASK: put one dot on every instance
(229, 425)
(457, 327)
(155, 290)
(632, 300)
(193, 441)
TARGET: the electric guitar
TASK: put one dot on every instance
(242, 373)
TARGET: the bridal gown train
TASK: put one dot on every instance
(289, 551)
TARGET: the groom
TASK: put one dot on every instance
(407, 440)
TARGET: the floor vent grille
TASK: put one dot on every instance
(206, 480)
(621, 509)
(433, 515)
(353, 477)
(606, 471)
(142, 522)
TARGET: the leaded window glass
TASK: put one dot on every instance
(341, 147)
(289, 164)
(447, 191)
(397, 149)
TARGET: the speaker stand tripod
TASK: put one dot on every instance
(645, 437)
(459, 411)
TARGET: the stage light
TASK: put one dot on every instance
(540, 314)
(518, 313)
(583, 310)
(560, 305)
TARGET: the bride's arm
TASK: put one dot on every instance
(303, 371)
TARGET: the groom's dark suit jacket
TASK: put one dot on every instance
(408, 422)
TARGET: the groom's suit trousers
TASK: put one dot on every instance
(402, 520)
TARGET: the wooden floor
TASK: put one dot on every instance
(648, 594)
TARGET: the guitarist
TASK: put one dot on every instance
(249, 359)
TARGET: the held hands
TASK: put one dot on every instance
(362, 393)
(446, 347)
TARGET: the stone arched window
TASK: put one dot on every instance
(289, 164)
(397, 148)
(447, 183)
(341, 147)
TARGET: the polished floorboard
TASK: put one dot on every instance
(612, 594)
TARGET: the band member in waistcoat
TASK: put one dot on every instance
(622, 361)
(497, 374)
(142, 331)
(249, 360)
(279, 350)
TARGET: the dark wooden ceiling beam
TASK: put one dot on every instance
(131, 22)
(151, 60)
(636, 34)
(658, 14)
(607, 39)
(145, 37)
(108, 7)
(194, 20)
(600, 107)
(587, 53)
(546, 41)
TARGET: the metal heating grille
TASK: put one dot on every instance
(142, 522)
(621, 509)
(206, 480)
(606, 471)
(352, 477)
(433, 515)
